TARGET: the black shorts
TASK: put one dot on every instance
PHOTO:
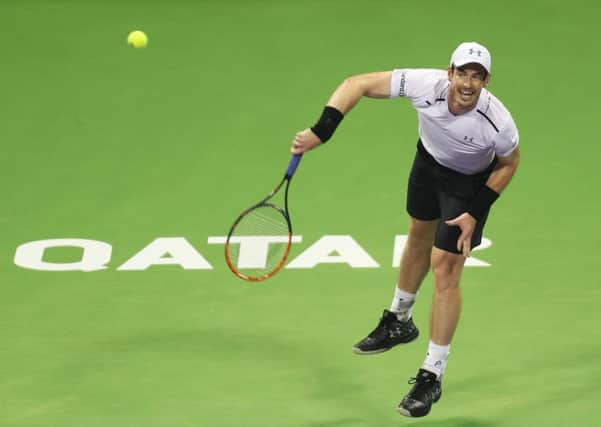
(437, 192)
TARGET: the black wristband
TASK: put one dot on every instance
(327, 123)
(482, 202)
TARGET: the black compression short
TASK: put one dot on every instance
(437, 192)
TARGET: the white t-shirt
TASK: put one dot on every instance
(467, 142)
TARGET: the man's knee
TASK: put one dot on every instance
(446, 268)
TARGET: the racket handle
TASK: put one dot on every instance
(296, 158)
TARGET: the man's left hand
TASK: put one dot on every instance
(467, 224)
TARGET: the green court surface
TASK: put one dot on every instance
(110, 144)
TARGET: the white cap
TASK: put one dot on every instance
(471, 52)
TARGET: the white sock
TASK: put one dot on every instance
(402, 304)
(436, 358)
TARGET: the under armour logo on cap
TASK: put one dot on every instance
(471, 53)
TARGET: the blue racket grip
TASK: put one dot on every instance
(296, 158)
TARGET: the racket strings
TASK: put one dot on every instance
(259, 219)
(259, 241)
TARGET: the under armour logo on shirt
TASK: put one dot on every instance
(468, 138)
(477, 52)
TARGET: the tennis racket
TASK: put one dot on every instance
(260, 239)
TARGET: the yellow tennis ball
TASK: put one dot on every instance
(137, 39)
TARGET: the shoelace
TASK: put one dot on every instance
(386, 324)
(420, 380)
(382, 328)
(422, 388)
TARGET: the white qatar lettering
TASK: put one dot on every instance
(321, 252)
(253, 250)
(167, 251)
(95, 255)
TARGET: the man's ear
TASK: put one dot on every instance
(450, 72)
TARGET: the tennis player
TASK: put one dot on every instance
(466, 155)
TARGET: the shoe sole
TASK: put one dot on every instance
(406, 413)
(367, 353)
(357, 350)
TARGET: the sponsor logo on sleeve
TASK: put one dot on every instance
(402, 89)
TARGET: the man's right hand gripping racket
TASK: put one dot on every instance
(260, 239)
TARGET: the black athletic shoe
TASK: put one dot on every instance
(389, 332)
(426, 391)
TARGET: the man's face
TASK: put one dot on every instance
(467, 82)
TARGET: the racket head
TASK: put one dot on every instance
(259, 242)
